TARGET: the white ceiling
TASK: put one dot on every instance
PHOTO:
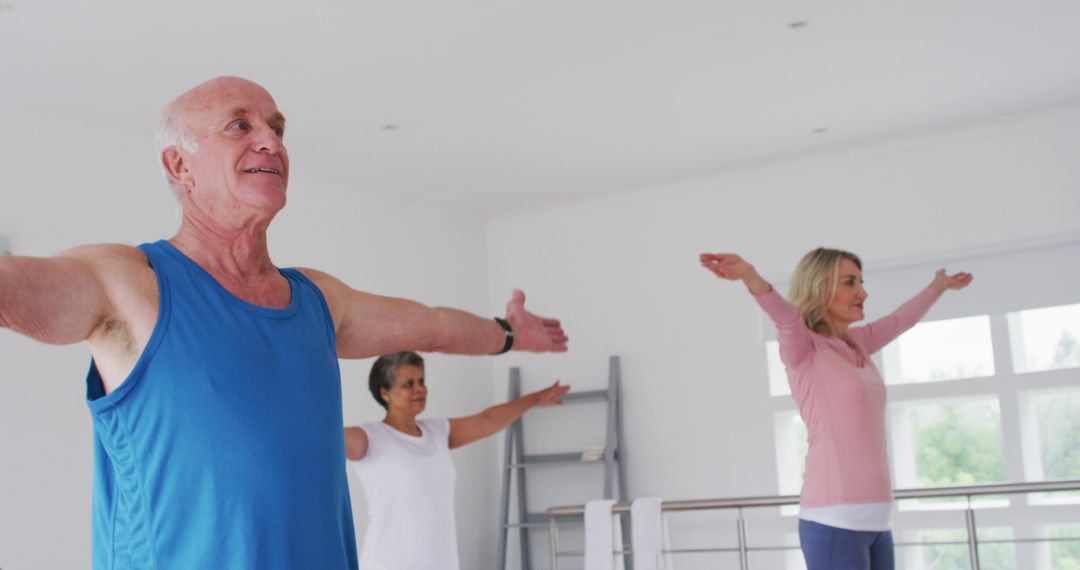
(504, 105)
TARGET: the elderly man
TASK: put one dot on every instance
(214, 386)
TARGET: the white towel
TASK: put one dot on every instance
(649, 532)
(603, 536)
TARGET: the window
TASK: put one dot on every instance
(790, 453)
(1051, 435)
(1055, 415)
(1045, 339)
(947, 443)
(941, 350)
(1064, 552)
(957, 444)
(778, 384)
(954, 556)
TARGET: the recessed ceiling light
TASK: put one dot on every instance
(820, 130)
(390, 127)
(798, 24)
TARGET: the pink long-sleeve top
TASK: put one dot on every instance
(841, 397)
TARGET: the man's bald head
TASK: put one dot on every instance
(175, 126)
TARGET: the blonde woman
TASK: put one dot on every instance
(846, 498)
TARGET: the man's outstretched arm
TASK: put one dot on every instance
(371, 325)
(56, 300)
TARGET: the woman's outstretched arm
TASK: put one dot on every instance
(884, 330)
(795, 340)
(464, 431)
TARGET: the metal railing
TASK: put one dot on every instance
(743, 549)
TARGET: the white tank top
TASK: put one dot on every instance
(409, 485)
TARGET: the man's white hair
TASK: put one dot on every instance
(172, 130)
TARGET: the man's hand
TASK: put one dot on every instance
(533, 333)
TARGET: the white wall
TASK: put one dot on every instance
(65, 183)
(623, 274)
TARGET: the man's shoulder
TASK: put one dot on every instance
(331, 287)
(105, 253)
(111, 262)
(320, 278)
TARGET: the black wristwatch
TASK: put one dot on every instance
(509, 336)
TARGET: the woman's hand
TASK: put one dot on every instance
(551, 395)
(732, 267)
(943, 282)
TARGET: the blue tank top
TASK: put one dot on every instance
(223, 448)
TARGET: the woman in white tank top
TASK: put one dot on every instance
(405, 468)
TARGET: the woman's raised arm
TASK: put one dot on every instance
(795, 343)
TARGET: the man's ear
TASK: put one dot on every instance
(176, 167)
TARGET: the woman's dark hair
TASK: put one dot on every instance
(385, 368)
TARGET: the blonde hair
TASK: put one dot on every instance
(813, 285)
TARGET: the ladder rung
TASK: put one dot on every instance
(552, 459)
(532, 520)
(585, 397)
(540, 520)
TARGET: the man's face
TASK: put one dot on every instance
(241, 158)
